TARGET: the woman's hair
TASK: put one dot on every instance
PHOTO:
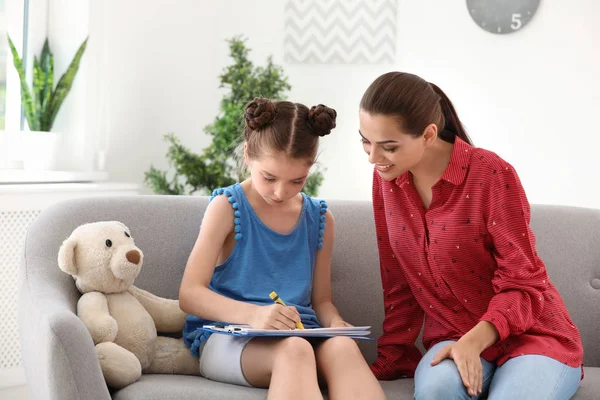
(415, 104)
(283, 126)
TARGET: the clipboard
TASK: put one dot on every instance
(353, 332)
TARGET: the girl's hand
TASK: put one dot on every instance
(274, 316)
(466, 358)
(338, 322)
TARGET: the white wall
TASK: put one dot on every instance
(531, 96)
(68, 26)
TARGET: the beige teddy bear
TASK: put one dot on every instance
(122, 319)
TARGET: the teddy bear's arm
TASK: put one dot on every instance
(92, 309)
(166, 313)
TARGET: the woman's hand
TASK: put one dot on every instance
(466, 358)
(274, 316)
(338, 322)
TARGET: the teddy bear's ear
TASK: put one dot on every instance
(66, 256)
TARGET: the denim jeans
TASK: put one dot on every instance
(524, 377)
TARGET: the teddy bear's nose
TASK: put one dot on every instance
(133, 256)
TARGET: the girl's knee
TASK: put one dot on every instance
(340, 346)
(295, 350)
(339, 353)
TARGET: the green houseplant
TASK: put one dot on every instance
(43, 101)
(38, 148)
(216, 165)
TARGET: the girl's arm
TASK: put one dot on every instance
(194, 295)
(196, 298)
(326, 312)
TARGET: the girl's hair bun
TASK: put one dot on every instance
(259, 113)
(322, 119)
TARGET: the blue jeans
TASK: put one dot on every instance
(523, 377)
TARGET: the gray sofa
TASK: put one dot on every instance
(58, 353)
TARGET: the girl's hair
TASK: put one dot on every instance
(283, 126)
(414, 103)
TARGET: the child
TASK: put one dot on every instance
(264, 235)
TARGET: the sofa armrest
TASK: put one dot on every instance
(57, 351)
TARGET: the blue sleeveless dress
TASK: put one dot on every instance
(263, 261)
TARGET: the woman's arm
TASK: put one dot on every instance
(520, 278)
(397, 354)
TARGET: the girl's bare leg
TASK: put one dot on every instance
(345, 370)
(286, 366)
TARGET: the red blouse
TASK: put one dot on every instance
(469, 257)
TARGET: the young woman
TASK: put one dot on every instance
(458, 257)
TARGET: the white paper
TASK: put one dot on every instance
(351, 331)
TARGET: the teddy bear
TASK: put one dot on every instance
(122, 319)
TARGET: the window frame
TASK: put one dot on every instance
(27, 24)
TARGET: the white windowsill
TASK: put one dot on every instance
(19, 176)
(69, 187)
(10, 377)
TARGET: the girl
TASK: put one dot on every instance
(264, 235)
(457, 255)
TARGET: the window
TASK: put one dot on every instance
(14, 17)
(4, 59)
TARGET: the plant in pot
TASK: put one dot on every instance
(216, 165)
(41, 104)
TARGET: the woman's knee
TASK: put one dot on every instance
(440, 382)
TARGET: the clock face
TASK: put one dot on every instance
(502, 16)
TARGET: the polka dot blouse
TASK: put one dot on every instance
(469, 257)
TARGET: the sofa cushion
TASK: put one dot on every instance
(179, 387)
(589, 388)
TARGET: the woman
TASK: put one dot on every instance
(458, 256)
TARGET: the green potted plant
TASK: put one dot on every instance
(41, 103)
(216, 165)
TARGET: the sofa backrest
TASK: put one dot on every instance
(166, 227)
(567, 240)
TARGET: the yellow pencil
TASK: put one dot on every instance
(278, 300)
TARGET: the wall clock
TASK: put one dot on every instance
(502, 16)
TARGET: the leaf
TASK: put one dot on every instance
(62, 89)
(315, 179)
(39, 82)
(46, 54)
(159, 183)
(47, 64)
(49, 80)
(26, 99)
